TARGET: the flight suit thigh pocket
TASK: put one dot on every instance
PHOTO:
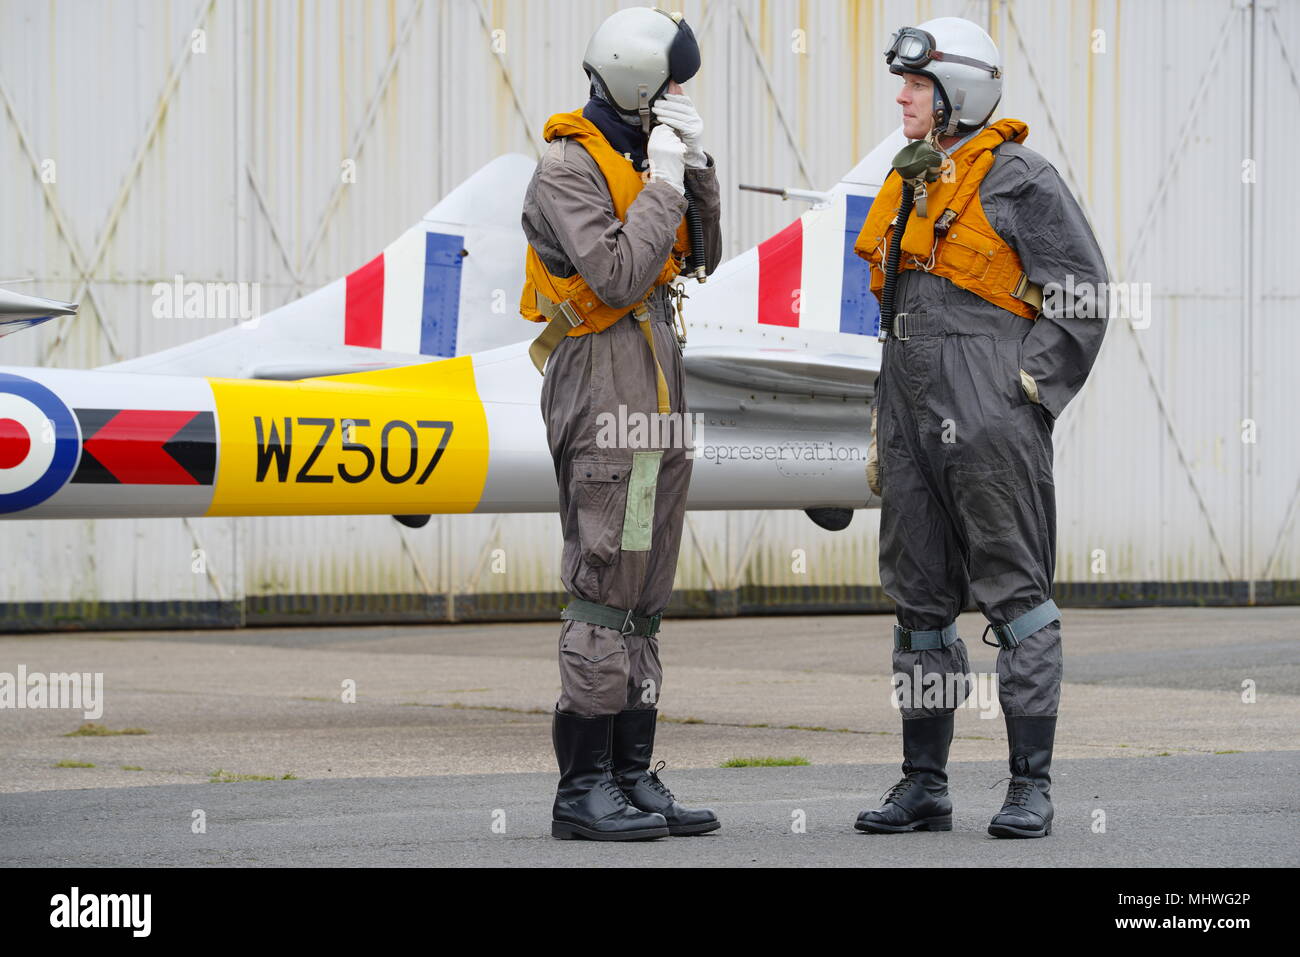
(986, 498)
(639, 515)
(1000, 520)
(593, 670)
(599, 494)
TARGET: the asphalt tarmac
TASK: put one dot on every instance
(1177, 746)
(1179, 811)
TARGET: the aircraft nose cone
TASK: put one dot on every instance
(15, 443)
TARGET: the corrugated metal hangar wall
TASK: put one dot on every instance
(205, 137)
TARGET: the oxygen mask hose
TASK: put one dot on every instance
(916, 163)
(891, 262)
(695, 264)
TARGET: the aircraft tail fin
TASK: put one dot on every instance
(447, 286)
(809, 277)
(439, 287)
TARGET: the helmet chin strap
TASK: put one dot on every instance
(959, 99)
(643, 107)
(945, 116)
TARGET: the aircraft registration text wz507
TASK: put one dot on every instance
(400, 449)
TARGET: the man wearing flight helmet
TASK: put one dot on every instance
(962, 239)
(605, 220)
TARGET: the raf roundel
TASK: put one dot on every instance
(39, 443)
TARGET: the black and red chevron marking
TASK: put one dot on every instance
(147, 447)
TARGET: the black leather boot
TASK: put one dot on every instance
(634, 741)
(588, 802)
(919, 802)
(1027, 811)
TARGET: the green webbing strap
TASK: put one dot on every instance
(905, 640)
(1013, 633)
(607, 616)
(561, 319)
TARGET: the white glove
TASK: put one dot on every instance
(677, 110)
(666, 152)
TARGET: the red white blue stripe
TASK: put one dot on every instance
(407, 299)
(810, 278)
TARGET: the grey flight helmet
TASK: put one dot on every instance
(634, 54)
(962, 61)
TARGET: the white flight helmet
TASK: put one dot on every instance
(634, 54)
(964, 63)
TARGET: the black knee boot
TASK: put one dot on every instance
(588, 802)
(634, 741)
(919, 802)
(1027, 811)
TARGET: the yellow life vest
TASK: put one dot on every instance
(625, 184)
(956, 240)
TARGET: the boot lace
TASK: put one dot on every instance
(658, 785)
(1018, 790)
(610, 787)
(897, 791)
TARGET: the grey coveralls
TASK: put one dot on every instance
(621, 509)
(968, 507)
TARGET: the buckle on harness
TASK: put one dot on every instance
(1003, 637)
(677, 293)
(1028, 293)
(902, 638)
(569, 313)
(900, 327)
(649, 629)
(1012, 633)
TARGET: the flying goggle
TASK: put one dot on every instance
(914, 48)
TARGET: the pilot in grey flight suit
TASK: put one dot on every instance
(966, 399)
(610, 671)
